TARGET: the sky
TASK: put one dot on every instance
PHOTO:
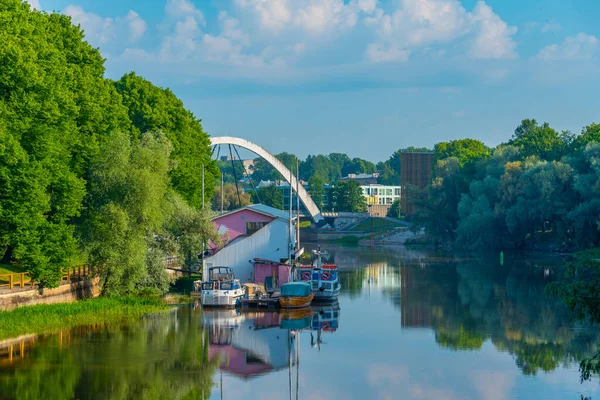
(362, 77)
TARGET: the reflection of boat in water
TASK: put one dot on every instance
(325, 319)
(296, 318)
(249, 344)
(296, 295)
(221, 289)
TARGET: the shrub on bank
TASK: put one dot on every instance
(47, 318)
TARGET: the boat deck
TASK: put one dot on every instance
(269, 302)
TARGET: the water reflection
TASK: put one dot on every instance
(252, 343)
(162, 357)
(417, 325)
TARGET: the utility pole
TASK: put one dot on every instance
(297, 205)
(291, 245)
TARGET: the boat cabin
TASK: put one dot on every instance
(220, 278)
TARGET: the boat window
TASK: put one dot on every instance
(220, 274)
(226, 286)
(253, 227)
(207, 286)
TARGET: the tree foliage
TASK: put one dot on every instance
(541, 189)
(269, 195)
(89, 168)
(230, 198)
(347, 196)
(152, 108)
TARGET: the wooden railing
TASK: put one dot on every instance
(23, 279)
(11, 281)
(78, 272)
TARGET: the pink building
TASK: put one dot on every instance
(253, 232)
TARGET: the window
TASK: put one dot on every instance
(388, 192)
(374, 191)
(397, 191)
(253, 227)
(388, 200)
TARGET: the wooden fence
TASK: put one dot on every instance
(23, 279)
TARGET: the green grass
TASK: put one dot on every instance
(49, 318)
(9, 269)
(375, 225)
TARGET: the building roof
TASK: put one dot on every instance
(261, 209)
(360, 176)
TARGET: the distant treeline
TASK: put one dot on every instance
(93, 170)
(326, 168)
(541, 190)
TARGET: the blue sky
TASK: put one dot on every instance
(364, 77)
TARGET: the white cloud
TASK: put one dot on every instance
(551, 26)
(273, 14)
(493, 36)
(35, 4)
(184, 9)
(100, 31)
(493, 385)
(137, 26)
(579, 47)
(420, 23)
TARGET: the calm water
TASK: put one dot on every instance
(410, 324)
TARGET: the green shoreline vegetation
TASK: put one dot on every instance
(51, 318)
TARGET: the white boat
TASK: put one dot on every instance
(324, 278)
(221, 289)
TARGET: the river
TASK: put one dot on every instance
(410, 324)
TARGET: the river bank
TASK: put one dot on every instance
(49, 318)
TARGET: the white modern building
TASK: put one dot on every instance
(381, 194)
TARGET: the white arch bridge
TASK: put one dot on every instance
(308, 202)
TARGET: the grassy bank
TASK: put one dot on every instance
(48, 318)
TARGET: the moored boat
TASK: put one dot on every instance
(296, 295)
(323, 278)
(221, 289)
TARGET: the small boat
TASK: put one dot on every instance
(221, 289)
(296, 295)
(323, 278)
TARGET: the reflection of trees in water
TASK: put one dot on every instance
(163, 357)
(479, 300)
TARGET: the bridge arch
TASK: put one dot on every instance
(278, 165)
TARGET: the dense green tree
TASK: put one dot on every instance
(467, 151)
(394, 210)
(127, 198)
(316, 190)
(55, 106)
(590, 133)
(347, 196)
(152, 108)
(230, 198)
(227, 167)
(269, 195)
(539, 140)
